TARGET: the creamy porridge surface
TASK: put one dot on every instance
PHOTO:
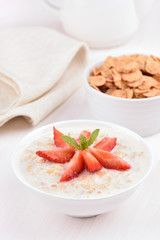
(45, 175)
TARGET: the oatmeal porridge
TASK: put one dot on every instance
(45, 175)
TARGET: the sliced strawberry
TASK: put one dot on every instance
(60, 155)
(106, 144)
(110, 160)
(75, 167)
(85, 134)
(58, 141)
(90, 161)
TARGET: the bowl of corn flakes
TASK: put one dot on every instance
(126, 90)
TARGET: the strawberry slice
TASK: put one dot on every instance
(75, 167)
(58, 141)
(109, 160)
(91, 163)
(85, 134)
(60, 155)
(106, 144)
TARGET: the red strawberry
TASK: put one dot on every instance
(106, 144)
(85, 134)
(60, 155)
(109, 160)
(90, 161)
(75, 167)
(58, 141)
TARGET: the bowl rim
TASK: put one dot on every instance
(50, 126)
(98, 62)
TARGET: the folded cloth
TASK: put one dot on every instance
(39, 69)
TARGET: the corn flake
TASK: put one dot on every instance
(152, 66)
(133, 76)
(153, 92)
(97, 80)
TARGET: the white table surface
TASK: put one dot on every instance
(22, 215)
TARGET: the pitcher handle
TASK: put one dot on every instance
(54, 6)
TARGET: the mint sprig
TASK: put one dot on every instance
(84, 144)
(71, 141)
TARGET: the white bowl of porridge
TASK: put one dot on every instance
(89, 191)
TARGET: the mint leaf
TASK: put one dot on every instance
(84, 143)
(71, 141)
(93, 137)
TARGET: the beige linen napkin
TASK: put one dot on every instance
(39, 69)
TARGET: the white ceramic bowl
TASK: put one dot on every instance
(139, 115)
(79, 207)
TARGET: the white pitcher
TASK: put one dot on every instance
(101, 23)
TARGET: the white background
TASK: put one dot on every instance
(22, 215)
